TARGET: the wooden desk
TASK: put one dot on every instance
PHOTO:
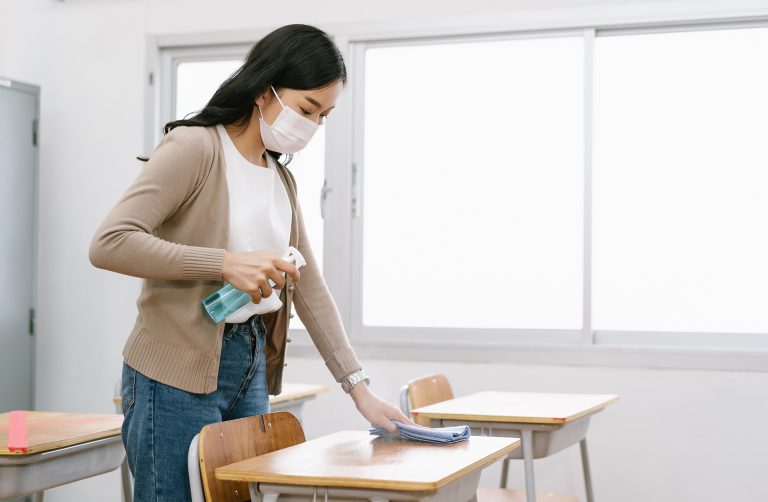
(546, 423)
(63, 448)
(291, 399)
(356, 465)
(294, 396)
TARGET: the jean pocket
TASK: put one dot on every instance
(128, 388)
(229, 331)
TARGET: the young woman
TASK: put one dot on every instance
(212, 205)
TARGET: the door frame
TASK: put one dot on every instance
(34, 91)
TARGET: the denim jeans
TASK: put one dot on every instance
(160, 420)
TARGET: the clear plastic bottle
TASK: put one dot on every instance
(228, 300)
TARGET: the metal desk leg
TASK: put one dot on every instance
(254, 492)
(587, 475)
(125, 474)
(504, 472)
(256, 496)
(37, 497)
(527, 439)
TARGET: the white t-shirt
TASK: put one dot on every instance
(259, 209)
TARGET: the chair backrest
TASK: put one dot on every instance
(193, 468)
(428, 390)
(235, 440)
(118, 399)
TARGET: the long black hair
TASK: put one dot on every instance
(296, 56)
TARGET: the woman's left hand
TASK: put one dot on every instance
(378, 412)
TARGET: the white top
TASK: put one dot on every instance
(259, 209)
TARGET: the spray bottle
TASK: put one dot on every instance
(228, 300)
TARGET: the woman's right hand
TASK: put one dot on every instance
(250, 272)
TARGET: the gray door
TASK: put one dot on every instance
(18, 182)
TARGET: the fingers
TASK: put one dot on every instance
(258, 288)
(258, 273)
(266, 289)
(405, 420)
(288, 268)
(263, 286)
(394, 413)
(397, 415)
(278, 281)
(389, 426)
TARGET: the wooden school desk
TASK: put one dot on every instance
(62, 448)
(292, 398)
(356, 465)
(546, 423)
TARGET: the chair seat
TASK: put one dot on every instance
(509, 495)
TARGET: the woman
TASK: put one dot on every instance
(214, 204)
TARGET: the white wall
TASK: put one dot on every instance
(5, 36)
(676, 435)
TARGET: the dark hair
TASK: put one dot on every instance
(296, 56)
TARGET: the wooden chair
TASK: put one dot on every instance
(228, 442)
(424, 391)
(431, 389)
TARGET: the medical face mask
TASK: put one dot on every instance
(289, 133)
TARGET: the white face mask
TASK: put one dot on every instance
(289, 133)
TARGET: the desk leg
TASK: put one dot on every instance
(256, 496)
(527, 439)
(587, 475)
(37, 497)
(504, 472)
(125, 474)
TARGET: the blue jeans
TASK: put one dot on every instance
(160, 420)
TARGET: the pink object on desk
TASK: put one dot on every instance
(18, 437)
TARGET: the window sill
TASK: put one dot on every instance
(553, 354)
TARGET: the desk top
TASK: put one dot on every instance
(517, 407)
(355, 459)
(293, 391)
(48, 431)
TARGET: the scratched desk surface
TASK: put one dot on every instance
(39, 431)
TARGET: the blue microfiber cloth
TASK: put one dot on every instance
(441, 435)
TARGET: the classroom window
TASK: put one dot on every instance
(601, 185)
(473, 184)
(196, 81)
(681, 182)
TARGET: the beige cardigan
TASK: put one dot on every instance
(171, 229)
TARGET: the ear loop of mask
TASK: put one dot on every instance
(278, 100)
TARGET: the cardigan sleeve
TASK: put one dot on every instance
(126, 241)
(318, 311)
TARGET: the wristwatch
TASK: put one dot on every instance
(355, 378)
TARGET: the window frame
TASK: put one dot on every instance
(343, 222)
(430, 335)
